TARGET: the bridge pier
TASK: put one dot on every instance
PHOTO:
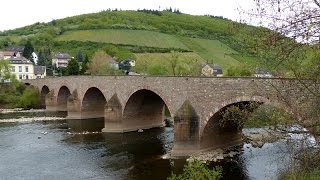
(74, 106)
(186, 132)
(51, 101)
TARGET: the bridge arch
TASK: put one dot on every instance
(93, 103)
(44, 91)
(213, 135)
(62, 98)
(144, 109)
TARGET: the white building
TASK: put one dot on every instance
(61, 60)
(22, 67)
(263, 73)
(35, 58)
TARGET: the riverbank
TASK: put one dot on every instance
(254, 138)
(5, 111)
(24, 118)
(31, 119)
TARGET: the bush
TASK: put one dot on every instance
(238, 70)
(29, 98)
(194, 169)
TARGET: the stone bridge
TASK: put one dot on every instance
(129, 103)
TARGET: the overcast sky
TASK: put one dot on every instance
(18, 13)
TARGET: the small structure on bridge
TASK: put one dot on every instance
(211, 70)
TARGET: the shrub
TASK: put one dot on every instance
(29, 98)
(194, 169)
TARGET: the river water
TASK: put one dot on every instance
(57, 150)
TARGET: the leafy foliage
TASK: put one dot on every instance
(14, 95)
(73, 67)
(100, 64)
(28, 50)
(29, 98)
(4, 71)
(238, 70)
(194, 169)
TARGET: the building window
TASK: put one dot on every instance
(27, 77)
(13, 69)
(20, 76)
(27, 69)
(20, 68)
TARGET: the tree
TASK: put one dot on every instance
(4, 71)
(292, 49)
(174, 60)
(99, 64)
(28, 50)
(73, 67)
(84, 65)
(79, 56)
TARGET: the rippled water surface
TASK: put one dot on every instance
(26, 153)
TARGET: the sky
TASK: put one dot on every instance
(19, 13)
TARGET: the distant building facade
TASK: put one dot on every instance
(211, 70)
(263, 73)
(61, 60)
(40, 72)
(21, 67)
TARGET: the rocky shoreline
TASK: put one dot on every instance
(5, 111)
(256, 137)
(30, 119)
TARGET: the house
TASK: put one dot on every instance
(211, 70)
(40, 72)
(61, 60)
(262, 73)
(21, 67)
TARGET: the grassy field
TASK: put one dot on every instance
(160, 63)
(132, 37)
(212, 51)
(248, 60)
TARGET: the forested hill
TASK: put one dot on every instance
(146, 34)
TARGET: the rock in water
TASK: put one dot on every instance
(140, 130)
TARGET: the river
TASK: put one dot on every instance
(56, 150)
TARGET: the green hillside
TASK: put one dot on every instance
(131, 37)
(160, 63)
(146, 34)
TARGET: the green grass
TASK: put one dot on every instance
(189, 63)
(212, 51)
(131, 37)
(248, 60)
